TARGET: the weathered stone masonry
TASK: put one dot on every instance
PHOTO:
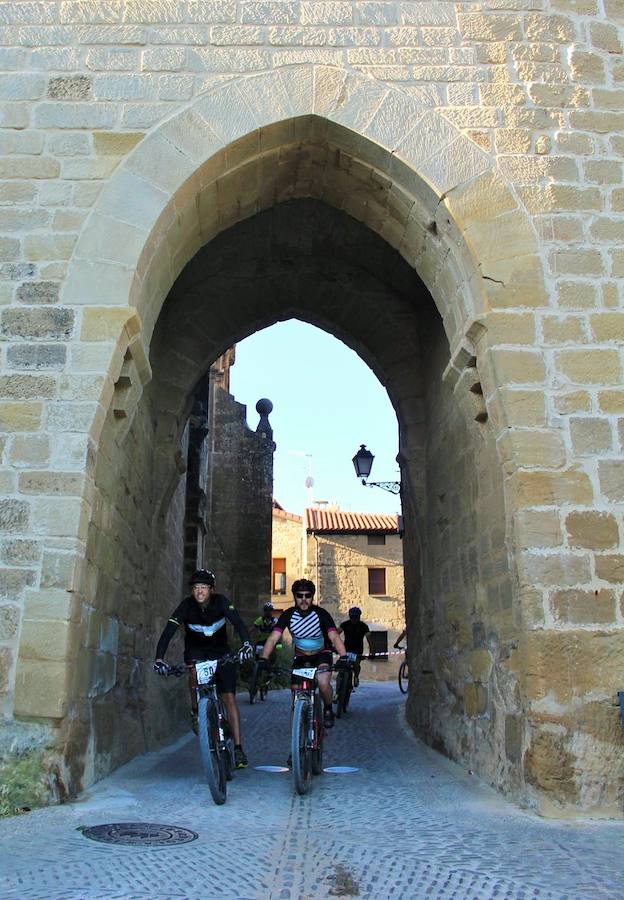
(482, 143)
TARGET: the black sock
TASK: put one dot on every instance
(238, 746)
(328, 706)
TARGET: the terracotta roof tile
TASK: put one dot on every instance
(336, 521)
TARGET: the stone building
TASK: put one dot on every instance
(437, 184)
(356, 559)
(287, 555)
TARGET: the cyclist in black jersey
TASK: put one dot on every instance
(314, 633)
(354, 632)
(203, 616)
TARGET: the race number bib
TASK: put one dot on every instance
(206, 671)
(304, 673)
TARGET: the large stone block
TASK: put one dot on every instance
(590, 435)
(43, 323)
(38, 292)
(553, 570)
(611, 475)
(28, 451)
(66, 483)
(27, 387)
(46, 640)
(594, 530)
(20, 552)
(41, 688)
(590, 366)
(14, 515)
(36, 356)
(551, 488)
(578, 607)
(20, 416)
(564, 666)
(538, 528)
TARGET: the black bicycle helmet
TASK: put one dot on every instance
(268, 607)
(303, 584)
(355, 612)
(202, 576)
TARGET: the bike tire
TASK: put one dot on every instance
(300, 749)
(317, 754)
(212, 758)
(341, 688)
(403, 677)
(253, 683)
(264, 690)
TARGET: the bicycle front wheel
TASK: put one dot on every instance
(300, 747)
(212, 759)
(342, 688)
(317, 751)
(403, 677)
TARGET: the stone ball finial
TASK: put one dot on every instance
(264, 407)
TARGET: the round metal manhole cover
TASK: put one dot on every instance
(139, 834)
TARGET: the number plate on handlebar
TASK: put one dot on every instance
(304, 673)
(206, 671)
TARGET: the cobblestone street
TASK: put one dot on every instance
(408, 824)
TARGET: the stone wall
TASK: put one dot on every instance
(237, 546)
(463, 625)
(484, 145)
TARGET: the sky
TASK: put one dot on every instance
(326, 402)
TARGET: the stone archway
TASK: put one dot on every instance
(396, 165)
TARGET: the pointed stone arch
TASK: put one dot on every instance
(386, 157)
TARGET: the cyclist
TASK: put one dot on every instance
(400, 638)
(264, 624)
(204, 616)
(314, 633)
(354, 631)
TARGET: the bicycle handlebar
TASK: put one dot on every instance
(181, 668)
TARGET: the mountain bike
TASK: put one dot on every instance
(215, 738)
(403, 675)
(307, 728)
(260, 678)
(344, 686)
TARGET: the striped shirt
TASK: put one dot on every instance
(309, 630)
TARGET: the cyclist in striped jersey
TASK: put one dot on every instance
(314, 634)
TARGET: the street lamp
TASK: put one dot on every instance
(363, 463)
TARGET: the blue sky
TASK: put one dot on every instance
(326, 402)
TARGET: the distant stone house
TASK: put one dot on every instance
(286, 555)
(355, 559)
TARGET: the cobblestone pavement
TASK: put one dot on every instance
(409, 824)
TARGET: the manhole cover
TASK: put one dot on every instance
(143, 834)
(341, 770)
(271, 769)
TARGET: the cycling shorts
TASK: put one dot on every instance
(322, 658)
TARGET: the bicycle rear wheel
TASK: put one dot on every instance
(300, 749)
(253, 683)
(403, 677)
(212, 759)
(319, 731)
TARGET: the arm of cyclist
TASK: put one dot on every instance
(270, 643)
(337, 644)
(400, 638)
(173, 623)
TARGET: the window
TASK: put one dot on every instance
(279, 576)
(376, 539)
(377, 581)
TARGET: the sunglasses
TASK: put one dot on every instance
(303, 596)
